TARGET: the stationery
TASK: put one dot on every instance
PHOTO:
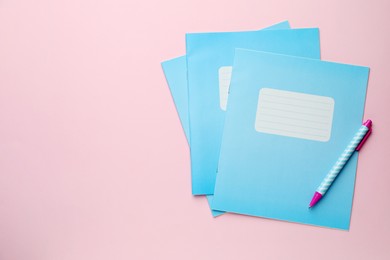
(355, 145)
(175, 71)
(287, 118)
(209, 60)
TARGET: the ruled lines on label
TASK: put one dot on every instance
(294, 114)
(224, 76)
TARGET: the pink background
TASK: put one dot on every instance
(93, 160)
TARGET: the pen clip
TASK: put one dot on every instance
(364, 140)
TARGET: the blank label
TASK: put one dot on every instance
(294, 114)
(224, 75)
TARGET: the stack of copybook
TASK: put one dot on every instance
(266, 119)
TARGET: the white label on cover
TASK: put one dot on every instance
(294, 114)
(224, 75)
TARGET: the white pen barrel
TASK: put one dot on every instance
(343, 159)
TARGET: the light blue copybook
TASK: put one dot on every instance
(288, 120)
(209, 60)
(175, 71)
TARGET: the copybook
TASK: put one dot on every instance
(209, 60)
(175, 71)
(287, 121)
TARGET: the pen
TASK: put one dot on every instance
(355, 145)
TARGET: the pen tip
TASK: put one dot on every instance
(368, 123)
